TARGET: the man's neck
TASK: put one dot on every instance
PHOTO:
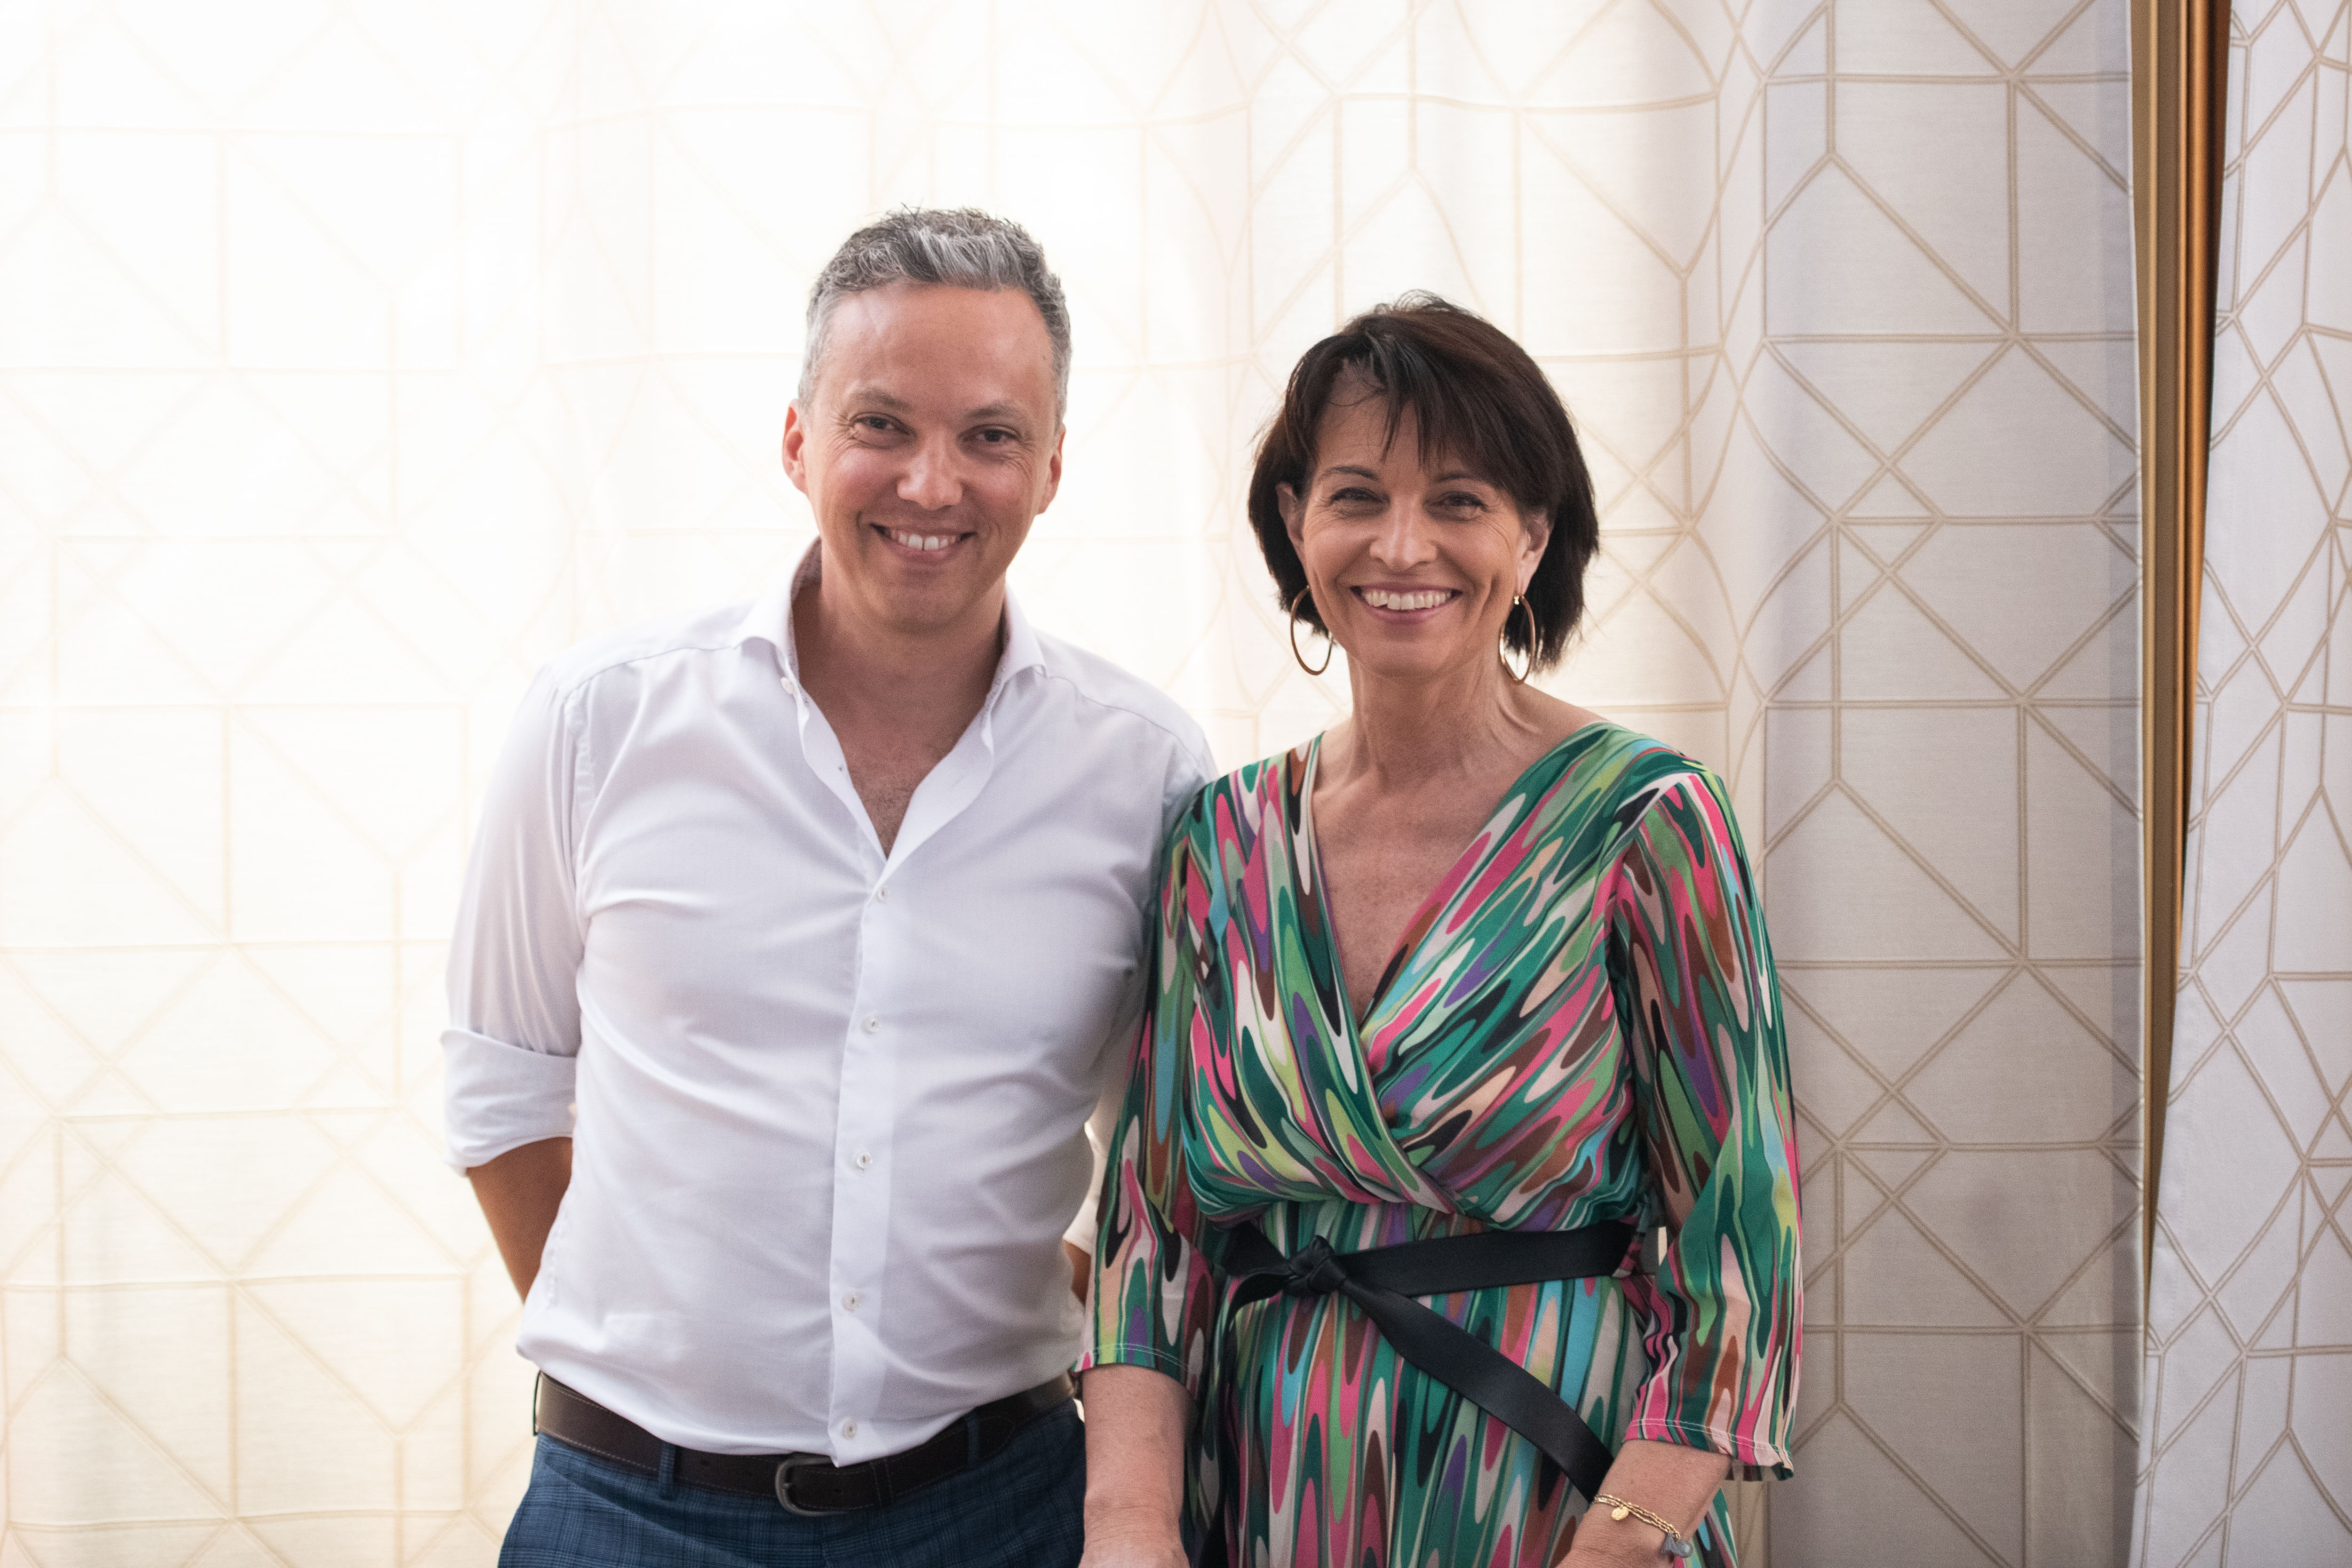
(927, 685)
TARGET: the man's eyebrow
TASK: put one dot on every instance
(1012, 411)
(877, 397)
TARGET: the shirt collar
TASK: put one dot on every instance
(769, 620)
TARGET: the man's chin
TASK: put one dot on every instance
(925, 601)
(915, 592)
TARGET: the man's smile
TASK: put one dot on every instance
(917, 541)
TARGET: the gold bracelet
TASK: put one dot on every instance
(1618, 1507)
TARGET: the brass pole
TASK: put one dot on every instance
(2180, 51)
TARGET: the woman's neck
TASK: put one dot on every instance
(1459, 725)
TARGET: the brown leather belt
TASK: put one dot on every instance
(803, 1483)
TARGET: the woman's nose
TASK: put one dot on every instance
(1403, 538)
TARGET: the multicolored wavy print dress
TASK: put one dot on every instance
(1581, 1023)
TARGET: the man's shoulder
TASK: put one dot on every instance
(1097, 681)
(703, 630)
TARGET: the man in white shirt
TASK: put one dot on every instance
(828, 915)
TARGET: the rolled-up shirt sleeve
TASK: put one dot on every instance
(513, 1037)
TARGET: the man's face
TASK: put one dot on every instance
(929, 444)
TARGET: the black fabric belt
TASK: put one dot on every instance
(803, 1483)
(1382, 1279)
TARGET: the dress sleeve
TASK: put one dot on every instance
(1693, 971)
(1154, 1295)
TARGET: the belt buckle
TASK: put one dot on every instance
(784, 1469)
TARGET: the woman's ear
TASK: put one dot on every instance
(1293, 510)
(1535, 534)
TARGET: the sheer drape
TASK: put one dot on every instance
(357, 357)
(2248, 1440)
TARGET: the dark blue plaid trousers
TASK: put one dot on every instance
(1021, 1507)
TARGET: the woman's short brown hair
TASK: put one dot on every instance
(1478, 398)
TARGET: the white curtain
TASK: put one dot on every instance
(358, 356)
(2247, 1453)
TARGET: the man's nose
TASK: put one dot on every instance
(930, 480)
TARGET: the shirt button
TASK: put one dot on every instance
(849, 1428)
(864, 1159)
(787, 681)
(872, 1024)
(849, 1301)
(883, 892)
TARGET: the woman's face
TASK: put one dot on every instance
(1413, 566)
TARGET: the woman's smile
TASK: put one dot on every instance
(1404, 604)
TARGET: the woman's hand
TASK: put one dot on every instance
(1623, 1556)
(1136, 1420)
(1670, 1480)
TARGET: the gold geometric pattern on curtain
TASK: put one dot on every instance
(355, 362)
(2248, 1440)
(1951, 789)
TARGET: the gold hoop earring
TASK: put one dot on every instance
(1327, 643)
(1519, 602)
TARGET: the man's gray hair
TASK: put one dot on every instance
(963, 248)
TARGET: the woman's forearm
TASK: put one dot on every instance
(1136, 1420)
(1667, 1478)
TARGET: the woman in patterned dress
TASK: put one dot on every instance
(1361, 1031)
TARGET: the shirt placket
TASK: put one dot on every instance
(864, 1153)
(888, 958)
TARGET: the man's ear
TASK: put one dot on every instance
(1293, 510)
(1054, 469)
(795, 446)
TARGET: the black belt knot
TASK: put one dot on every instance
(1382, 1281)
(1314, 1271)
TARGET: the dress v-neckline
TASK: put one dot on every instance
(1416, 930)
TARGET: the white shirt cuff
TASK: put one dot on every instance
(1081, 1233)
(500, 1097)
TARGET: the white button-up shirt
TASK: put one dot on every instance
(831, 1103)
